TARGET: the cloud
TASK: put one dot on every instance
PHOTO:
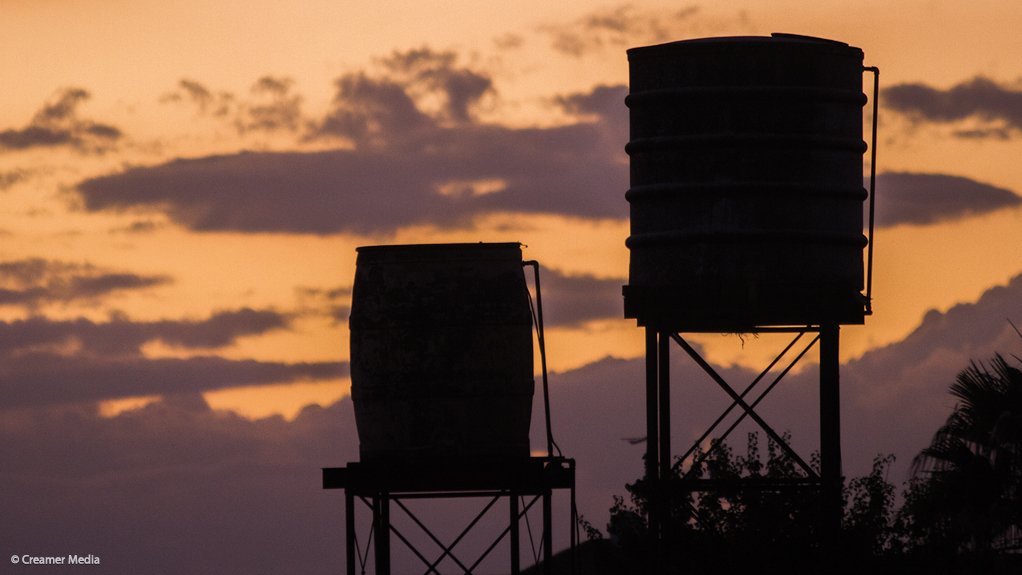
(615, 27)
(48, 378)
(44, 361)
(509, 41)
(899, 393)
(272, 105)
(276, 107)
(334, 303)
(13, 177)
(415, 91)
(603, 104)
(893, 398)
(253, 486)
(572, 300)
(431, 74)
(176, 486)
(919, 199)
(35, 281)
(220, 104)
(57, 123)
(624, 26)
(119, 335)
(418, 156)
(997, 108)
(367, 109)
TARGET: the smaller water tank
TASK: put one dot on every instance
(746, 189)
(441, 352)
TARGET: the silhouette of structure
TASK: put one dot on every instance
(746, 202)
(442, 386)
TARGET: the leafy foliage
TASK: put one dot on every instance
(773, 519)
(967, 491)
(961, 512)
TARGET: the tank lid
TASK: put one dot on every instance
(804, 38)
(430, 251)
(775, 38)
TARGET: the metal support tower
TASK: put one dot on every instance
(383, 488)
(660, 466)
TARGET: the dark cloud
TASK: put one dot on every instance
(998, 108)
(220, 104)
(35, 281)
(275, 107)
(601, 104)
(46, 378)
(408, 166)
(44, 361)
(75, 479)
(572, 300)
(334, 303)
(271, 106)
(430, 74)
(893, 398)
(624, 26)
(9, 179)
(419, 155)
(177, 487)
(897, 396)
(509, 41)
(368, 109)
(908, 198)
(139, 227)
(120, 336)
(57, 123)
(613, 27)
(415, 92)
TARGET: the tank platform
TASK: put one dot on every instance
(532, 475)
(522, 481)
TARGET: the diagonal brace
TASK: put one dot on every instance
(754, 404)
(741, 403)
(502, 535)
(755, 382)
(448, 551)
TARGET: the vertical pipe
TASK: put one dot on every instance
(541, 341)
(349, 530)
(381, 520)
(664, 398)
(652, 433)
(515, 540)
(872, 186)
(830, 437)
(548, 532)
(573, 528)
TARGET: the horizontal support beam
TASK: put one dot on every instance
(453, 478)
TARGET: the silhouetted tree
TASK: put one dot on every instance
(772, 525)
(967, 491)
(869, 516)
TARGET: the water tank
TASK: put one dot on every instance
(441, 352)
(746, 192)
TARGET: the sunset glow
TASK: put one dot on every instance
(184, 185)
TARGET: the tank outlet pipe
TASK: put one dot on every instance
(872, 186)
(542, 355)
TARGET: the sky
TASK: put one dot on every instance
(183, 186)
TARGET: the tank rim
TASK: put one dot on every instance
(460, 247)
(774, 39)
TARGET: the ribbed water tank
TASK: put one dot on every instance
(746, 191)
(441, 352)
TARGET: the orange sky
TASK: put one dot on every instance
(183, 186)
(131, 56)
